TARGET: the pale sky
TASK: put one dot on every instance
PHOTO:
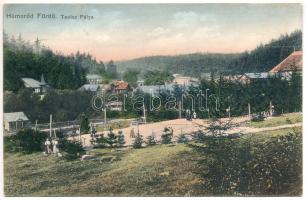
(128, 31)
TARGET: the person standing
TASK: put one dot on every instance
(48, 146)
(194, 115)
(55, 146)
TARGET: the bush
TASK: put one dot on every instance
(258, 118)
(25, 141)
(111, 138)
(72, 149)
(101, 141)
(120, 139)
(166, 137)
(151, 140)
(138, 142)
(238, 166)
(182, 139)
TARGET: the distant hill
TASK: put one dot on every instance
(262, 58)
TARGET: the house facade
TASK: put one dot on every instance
(38, 87)
(119, 86)
(184, 80)
(93, 79)
(15, 121)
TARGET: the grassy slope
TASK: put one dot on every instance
(161, 170)
(277, 121)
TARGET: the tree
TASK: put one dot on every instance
(111, 138)
(101, 141)
(166, 137)
(138, 141)
(157, 77)
(182, 139)
(151, 140)
(25, 141)
(111, 69)
(120, 139)
(84, 126)
(130, 76)
(71, 149)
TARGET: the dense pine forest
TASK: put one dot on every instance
(25, 59)
(261, 59)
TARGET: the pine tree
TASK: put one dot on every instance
(166, 137)
(120, 139)
(182, 139)
(84, 126)
(151, 140)
(111, 138)
(138, 142)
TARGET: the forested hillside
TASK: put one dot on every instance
(25, 59)
(263, 58)
(189, 64)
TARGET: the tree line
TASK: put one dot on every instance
(66, 105)
(263, 58)
(24, 59)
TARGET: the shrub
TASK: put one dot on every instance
(258, 118)
(138, 142)
(25, 141)
(84, 126)
(242, 166)
(151, 140)
(72, 149)
(111, 138)
(166, 138)
(120, 139)
(276, 165)
(101, 141)
(182, 139)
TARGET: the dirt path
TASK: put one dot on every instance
(246, 130)
(183, 126)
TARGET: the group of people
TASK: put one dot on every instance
(190, 116)
(51, 146)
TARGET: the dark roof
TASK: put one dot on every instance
(31, 83)
(294, 62)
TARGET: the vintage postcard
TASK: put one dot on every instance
(137, 100)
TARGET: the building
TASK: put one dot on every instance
(156, 89)
(93, 79)
(115, 106)
(184, 80)
(140, 83)
(94, 88)
(247, 77)
(38, 87)
(231, 78)
(293, 63)
(15, 121)
(119, 86)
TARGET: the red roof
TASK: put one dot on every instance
(294, 62)
(121, 85)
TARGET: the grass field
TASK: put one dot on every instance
(161, 170)
(277, 121)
